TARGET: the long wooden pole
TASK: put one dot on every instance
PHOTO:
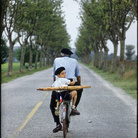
(63, 88)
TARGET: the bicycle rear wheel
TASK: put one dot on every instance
(65, 128)
(65, 120)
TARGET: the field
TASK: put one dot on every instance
(128, 83)
(16, 73)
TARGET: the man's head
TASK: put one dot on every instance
(60, 72)
(66, 52)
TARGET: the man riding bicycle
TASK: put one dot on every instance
(72, 72)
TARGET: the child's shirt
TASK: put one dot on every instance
(61, 82)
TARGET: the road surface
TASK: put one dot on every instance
(106, 111)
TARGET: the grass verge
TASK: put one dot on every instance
(128, 83)
(15, 73)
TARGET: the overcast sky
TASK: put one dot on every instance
(71, 9)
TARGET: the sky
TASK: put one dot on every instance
(72, 8)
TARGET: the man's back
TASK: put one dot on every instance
(70, 64)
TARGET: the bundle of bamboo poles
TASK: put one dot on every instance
(63, 88)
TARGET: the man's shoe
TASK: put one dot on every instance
(75, 112)
(58, 128)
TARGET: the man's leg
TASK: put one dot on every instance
(52, 107)
(79, 93)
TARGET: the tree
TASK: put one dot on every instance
(4, 5)
(89, 18)
(108, 13)
(93, 18)
(4, 51)
(121, 19)
(41, 22)
(29, 19)
(129, 51)
(135, 8)
(83, 47)
(9, 23)
(27, 54)
(111, 18)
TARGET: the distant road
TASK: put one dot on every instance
(106, 111)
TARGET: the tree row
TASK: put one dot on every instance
(104, 20)
(38, 24)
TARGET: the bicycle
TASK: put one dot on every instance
(64, 115)
(65, 106)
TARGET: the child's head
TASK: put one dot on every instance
(60, 72)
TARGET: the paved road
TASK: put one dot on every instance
(26, 114)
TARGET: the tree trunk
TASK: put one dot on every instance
(47, 57)
(95, 46)
(11, 43)
(10, 64)
(113, 64)
(30, 59)
(44, 62)
(23, 55)
(100, 62)
(41, 56)
(104, 42)
(96, 58)
(121, 64)
(52, 57)
(36, 57)
(105, 67)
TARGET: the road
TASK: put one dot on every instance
(106, 111)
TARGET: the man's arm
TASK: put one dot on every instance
(72, 82)
(54, 78)
(79, 80)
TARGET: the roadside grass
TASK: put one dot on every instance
(15, 73)
(128, 83)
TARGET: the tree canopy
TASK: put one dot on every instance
(40, 24)
(105, 20)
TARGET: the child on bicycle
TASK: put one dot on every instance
(66, 95)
